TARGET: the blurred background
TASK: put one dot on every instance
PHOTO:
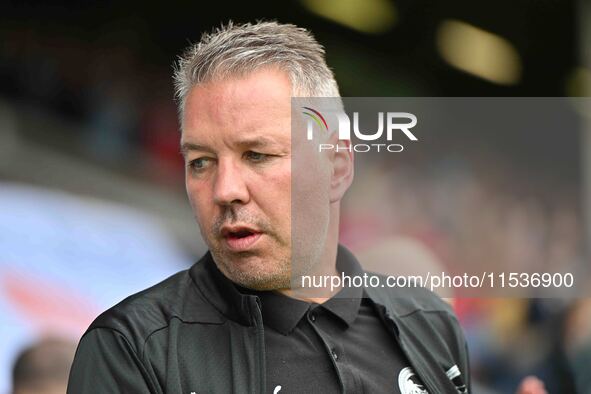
(92, 200)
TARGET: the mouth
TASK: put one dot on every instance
(240, 238)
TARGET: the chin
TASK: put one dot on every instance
(265, 284)
(257, 276)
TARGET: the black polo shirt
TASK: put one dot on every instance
(338, 346)
(194, 332)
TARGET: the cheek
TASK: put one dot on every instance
(200, 199)
(273, 189)
(310, 198)
(311, 174)
(310, 183)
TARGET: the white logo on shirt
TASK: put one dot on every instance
(409, 383)
(276, 390)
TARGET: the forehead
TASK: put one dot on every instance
(259, 100)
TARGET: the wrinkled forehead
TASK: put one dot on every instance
(261, 98)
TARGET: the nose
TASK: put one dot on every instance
(230, 185)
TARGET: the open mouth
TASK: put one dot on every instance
(240, 234)
(240, 238)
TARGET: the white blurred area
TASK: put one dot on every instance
(75, 238)
(64, 259)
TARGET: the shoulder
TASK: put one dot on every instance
(421, 311)
(426, 317)
(146, 309)
(404, 301)
(141, 314)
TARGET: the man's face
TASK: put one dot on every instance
(237, 148)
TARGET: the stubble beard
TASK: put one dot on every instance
(257, 275)
(259, 278)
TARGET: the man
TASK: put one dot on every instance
(233, 322)
(43, 367)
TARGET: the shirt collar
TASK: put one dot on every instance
(345, 304)
(280, 312)
(220, 291)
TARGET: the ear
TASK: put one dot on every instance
(342, 163)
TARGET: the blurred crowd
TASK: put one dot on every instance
(461, 213)
(122, 106)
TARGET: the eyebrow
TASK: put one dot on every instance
(259, 142)
(189, 146)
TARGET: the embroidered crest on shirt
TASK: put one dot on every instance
(409, 382)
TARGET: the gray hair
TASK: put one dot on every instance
(239, 49)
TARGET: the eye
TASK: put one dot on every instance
(256, 156)
(199, 163)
